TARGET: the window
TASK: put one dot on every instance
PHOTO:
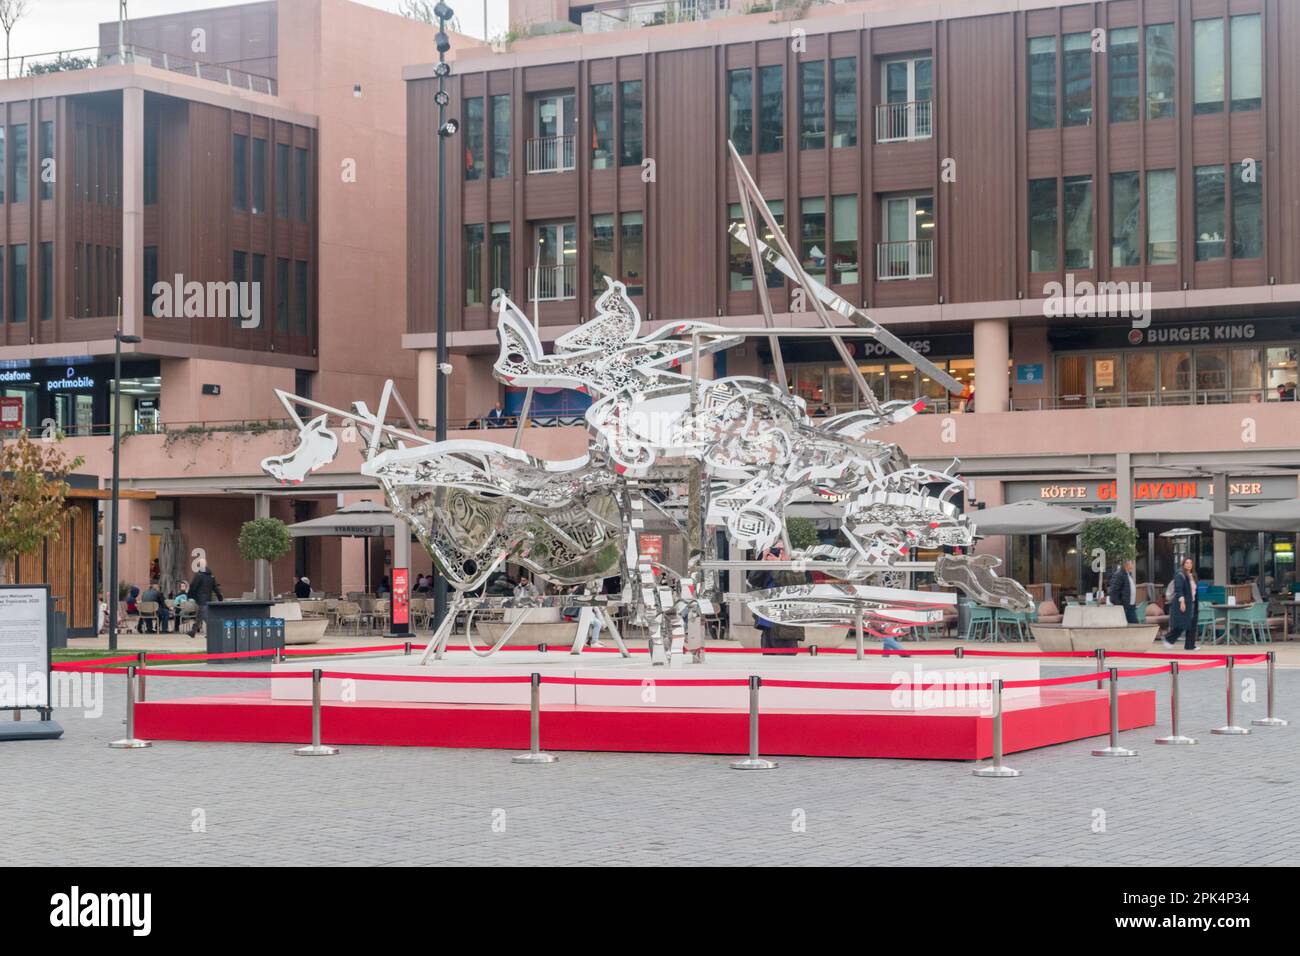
(282, 154)
(500, 253)
(259, 176)
(844, 102)
(81, 154)
(151, 164)
(557, 252)
(633, 252)
(239, 171)
(300, 292)
(1175, 376)
(1247, 62)
(1161, 73)
(844, 240)
(1078, 222)
(740, 110)
(1042, 225)
(602, 252)
(3, 252)
(1209, 213)
(1162, 217)
(602, 126)
(1207, 66)
(150, 278)
(554, 121)
(1042, 82)
(47, 281)
(474, 134)
(812, 105)
(473, 265)
(775, 279)
(1247, 368)
(1123, 58)
(18, 283)
(302, 182)
(1076, 63)
(47, 159)
(500, 136)
(18, 190)
(908, 88)
(239, 267)
(812, 237)
(1125, 212)
(740, 265)
(907, 251)
(1140, 377)
(771, 110)
(1247, 211)
(282, 295)
(259, 284)
(631, 139)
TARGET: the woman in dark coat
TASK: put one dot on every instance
(1183, 608)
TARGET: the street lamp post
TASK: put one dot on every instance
(446, 129)
(110, 589)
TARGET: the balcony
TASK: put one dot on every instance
(912, 259)
(550, 154)
(553, 283)
(904, 122)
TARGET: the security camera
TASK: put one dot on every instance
(445, 368)
(443, 12)
(441, 98)
(442, 42)
(449, 128)
(442, 69)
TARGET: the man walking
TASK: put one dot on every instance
(202, 589)
(1123, 591)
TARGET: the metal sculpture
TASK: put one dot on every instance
(735, 453)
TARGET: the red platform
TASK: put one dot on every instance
(1058, 716)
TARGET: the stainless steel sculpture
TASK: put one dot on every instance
(734, 453)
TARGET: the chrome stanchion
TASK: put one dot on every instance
(861, 637)
(1174, 736)
(1101, 663)
(535, 754)
(316, 748)
(1114, 750)
(997, 768)
(754, 761)
(130, 741)
(407, 649)
(1270, 720)
(959, 652)
(278, 656)
(1230, 728)
(143, 658)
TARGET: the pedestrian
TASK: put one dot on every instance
(133, 602)
(154, 594)
(1183, 608)
(497, 417)
(302, 589)
(776, 636)
(202, 590)
(1123, 591)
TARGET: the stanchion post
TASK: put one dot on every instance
(997, 768)
(407, 649)
(535, 754)
(861, 637)
(143, 658)
(1270, 720)
(316, 748)
(130, 741)
(1174, 736)
(1114, 750)
(1101, 663)
(1230, 729)
(754, 761)
(959, 652)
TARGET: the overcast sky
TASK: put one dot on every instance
(53, 25)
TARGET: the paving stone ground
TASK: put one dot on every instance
(1228, 801)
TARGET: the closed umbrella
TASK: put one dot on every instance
(1282, 517)
(1187, 511)
(1028, 517)
(166, 562)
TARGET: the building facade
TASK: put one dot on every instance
(1068, 206)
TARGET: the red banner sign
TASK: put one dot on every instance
(401, 596)
(11, 412)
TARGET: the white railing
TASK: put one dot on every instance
(553, 283)
(550, 154)
(903, 122)
(89, 58)
(905, 260)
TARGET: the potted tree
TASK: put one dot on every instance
(264, 539)
(1108, 543)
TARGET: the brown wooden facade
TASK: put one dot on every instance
(980, 123)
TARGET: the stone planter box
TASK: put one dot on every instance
(1088, 627)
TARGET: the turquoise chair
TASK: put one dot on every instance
(1207, 627)
(1249, 622)
(979, 626)
(1012, 621)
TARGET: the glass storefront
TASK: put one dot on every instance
(76, 399)
(831, 384)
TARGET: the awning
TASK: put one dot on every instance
(365, 519)
(1186, 511)
(1028, 517)
(1278, 516)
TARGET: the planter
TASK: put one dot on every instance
(1088, 627)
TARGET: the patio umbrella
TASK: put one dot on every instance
(1028, 517)
(166, 562)
(1186, 511)
(180, 559)
(365, 519)
(1279, 516)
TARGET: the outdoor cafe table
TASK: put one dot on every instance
(1289, 612)
(1225, 608)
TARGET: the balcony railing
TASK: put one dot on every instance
(553, 283)
(550, 154)
(905, 260)
(89, 58)
(904, 122)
